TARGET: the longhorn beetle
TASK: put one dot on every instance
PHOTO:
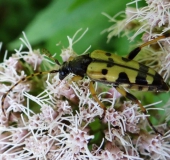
(104, 67)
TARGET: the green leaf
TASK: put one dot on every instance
(63, 18)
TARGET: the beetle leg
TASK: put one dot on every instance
(135, 100)
(94, 95)
(92, 91)
(135, 51)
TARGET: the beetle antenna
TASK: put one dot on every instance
(135, 51)
(20, 81)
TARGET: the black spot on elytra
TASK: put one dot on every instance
(143, 68)
(108, 54)
(110, 60)
(123, 78)
(157, 80)
(142, 74)
(104, 71)
(159, 83)
(164, 87)
(126, 59)
(110, 64)
(141, 79)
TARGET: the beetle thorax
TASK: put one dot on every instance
(78, 66)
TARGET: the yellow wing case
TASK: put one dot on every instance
(110, 68)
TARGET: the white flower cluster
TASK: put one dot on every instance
(63, 121)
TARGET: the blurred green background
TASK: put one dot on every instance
(47, 23)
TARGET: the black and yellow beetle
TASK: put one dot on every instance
(104, 67)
